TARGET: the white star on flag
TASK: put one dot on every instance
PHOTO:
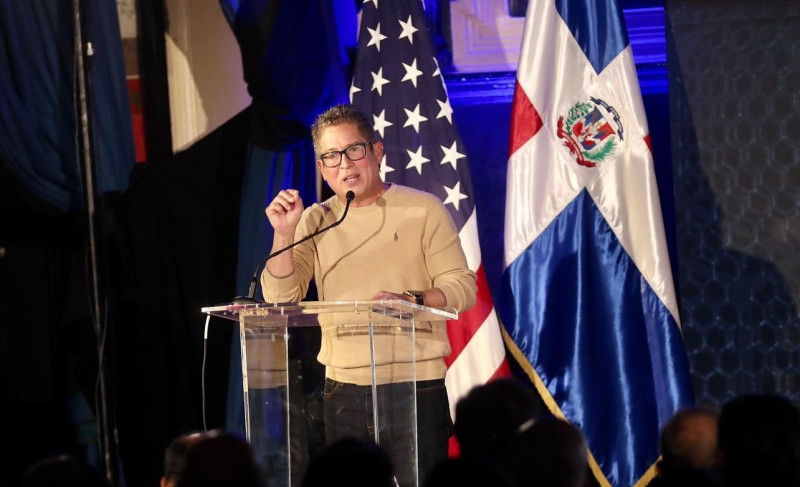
(353, 90)
(379, 122)
(445, 109)
(412, 73)
(377, 37)
(454, 195)
(408, 30)
(451, 155)
(378, 81)
(417, 160)
(385, 168)
(414, 118)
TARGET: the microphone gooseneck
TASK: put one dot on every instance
(251, 292)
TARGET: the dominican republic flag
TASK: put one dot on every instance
(589, 305)
(398, 83)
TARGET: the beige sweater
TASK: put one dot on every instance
(405, 240)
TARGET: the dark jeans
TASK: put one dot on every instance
(348, 412)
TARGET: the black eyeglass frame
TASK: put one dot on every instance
(343, 153)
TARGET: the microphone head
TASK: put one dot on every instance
(350, 195)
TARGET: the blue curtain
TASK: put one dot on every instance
(37, 115)
(295, 65)
(266, 172)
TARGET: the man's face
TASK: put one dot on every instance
(363, 176)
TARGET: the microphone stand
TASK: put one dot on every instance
(251, 292)
(104, 400)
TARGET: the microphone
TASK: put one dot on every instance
(251, 292)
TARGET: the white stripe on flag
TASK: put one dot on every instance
(470, 242)
(477, 362)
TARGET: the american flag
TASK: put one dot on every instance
(398, 82)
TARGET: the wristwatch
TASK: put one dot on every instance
(416, 295)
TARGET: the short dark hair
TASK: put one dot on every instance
(352, 461)
(759, 437)
(220, 459)
(551, 452)
(62, 470)
(490, 414)
(176, 453)
(337, 115)
(681, 442)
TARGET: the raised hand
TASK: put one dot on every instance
(284, 212)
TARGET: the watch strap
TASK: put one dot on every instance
(416, 295)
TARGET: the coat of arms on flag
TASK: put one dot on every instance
(587, 132)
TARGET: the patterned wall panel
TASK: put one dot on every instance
(734, 74)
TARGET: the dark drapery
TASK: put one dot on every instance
(294, 62)
(37, 116)
(178, 223)
(48, 354)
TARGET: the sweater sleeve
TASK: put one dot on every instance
(445, 260)
(293, 288)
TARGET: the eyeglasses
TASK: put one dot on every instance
(355, 152)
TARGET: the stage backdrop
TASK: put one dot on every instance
(734, 74)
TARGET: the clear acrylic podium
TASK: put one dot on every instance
(283, 383)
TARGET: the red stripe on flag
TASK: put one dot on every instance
(525, 120)
(454, 449)
(648, 142)
(460, 331)
(504, 370)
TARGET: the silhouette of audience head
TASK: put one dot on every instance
(467, 472)
(689, 449)
(550, 453)
(61, 471)
(217, 459)
(759, 441)
(689, 439)
(350, 461)
(175, 457)
(490, 414)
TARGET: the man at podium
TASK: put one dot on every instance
(396, 243)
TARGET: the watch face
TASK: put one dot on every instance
(416, 295)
